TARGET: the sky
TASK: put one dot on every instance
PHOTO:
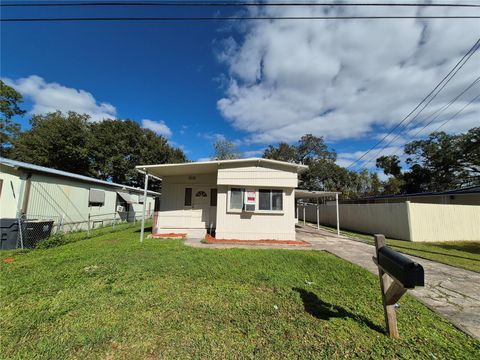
(253, 82)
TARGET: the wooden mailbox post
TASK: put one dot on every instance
(397, 273)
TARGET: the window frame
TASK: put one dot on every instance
(96, 203)
(229, 199)
(270, 192)
(257, 202)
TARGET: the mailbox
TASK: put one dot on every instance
(397, 273)
(401, 268)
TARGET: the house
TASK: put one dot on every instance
(72, 201)
(245, 199)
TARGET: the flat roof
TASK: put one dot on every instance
(61, 173)
(205, 167)
(310, 194)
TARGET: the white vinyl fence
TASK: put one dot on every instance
(407, 221)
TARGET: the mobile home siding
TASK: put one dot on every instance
(256, 225)
(11, 193)
(257, 176)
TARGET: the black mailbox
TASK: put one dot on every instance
(406, 271)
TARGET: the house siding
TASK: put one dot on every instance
(256, 225)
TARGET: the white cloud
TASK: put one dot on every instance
(343, 79)
(49, 97)
(159, 127)
(204, 159)
(253, 153)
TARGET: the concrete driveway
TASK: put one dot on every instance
(451, 292)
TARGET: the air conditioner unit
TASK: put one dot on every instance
(120, 208)
(249, 208)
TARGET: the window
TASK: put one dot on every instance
(236, 198)
(201, 194)
(96, 197)
(213, 197)
(188, 196)
(271, 200)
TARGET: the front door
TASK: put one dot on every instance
(201, 206)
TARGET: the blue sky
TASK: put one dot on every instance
(255, 83)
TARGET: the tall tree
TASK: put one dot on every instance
(323, 173)
(10, 101)
(107, 150)
(120, 145)
(225, 150)
(437, 163)
(56, 140)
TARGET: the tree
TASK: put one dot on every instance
(284, 152)
(438, 163)
(120, 145)
(390, 165)
(9, 107)
(323, 173)
(225, 150)
(56, 140)
(107, 150)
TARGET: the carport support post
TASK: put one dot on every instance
(303, 214)
(142, 231)
(338, 221)
(318, 216)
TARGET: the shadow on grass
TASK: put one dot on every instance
(473, 248)
(147, 230)
(325, 311)
(432, 252)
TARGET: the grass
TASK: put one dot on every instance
(462, 254)
(112, 297)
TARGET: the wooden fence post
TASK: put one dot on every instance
(385, 282)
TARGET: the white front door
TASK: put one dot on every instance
(201, 206)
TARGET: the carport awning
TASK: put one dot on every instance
(307, 194)
(126, 197)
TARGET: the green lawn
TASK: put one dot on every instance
(112, 297)
(462, 254)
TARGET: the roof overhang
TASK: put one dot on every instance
(31, 168)
(307, 194)
(126, 197)
(206, 167)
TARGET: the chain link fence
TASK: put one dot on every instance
(28, 230)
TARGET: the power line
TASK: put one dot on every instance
(448, 105)
(454, 70)
(434, 117)
(233, 18)
(458, 112)
(231, 4)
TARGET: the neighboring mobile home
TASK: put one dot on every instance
(73, 201)
(245, 199)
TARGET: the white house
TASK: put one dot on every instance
(73, 201)
(245, 199)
